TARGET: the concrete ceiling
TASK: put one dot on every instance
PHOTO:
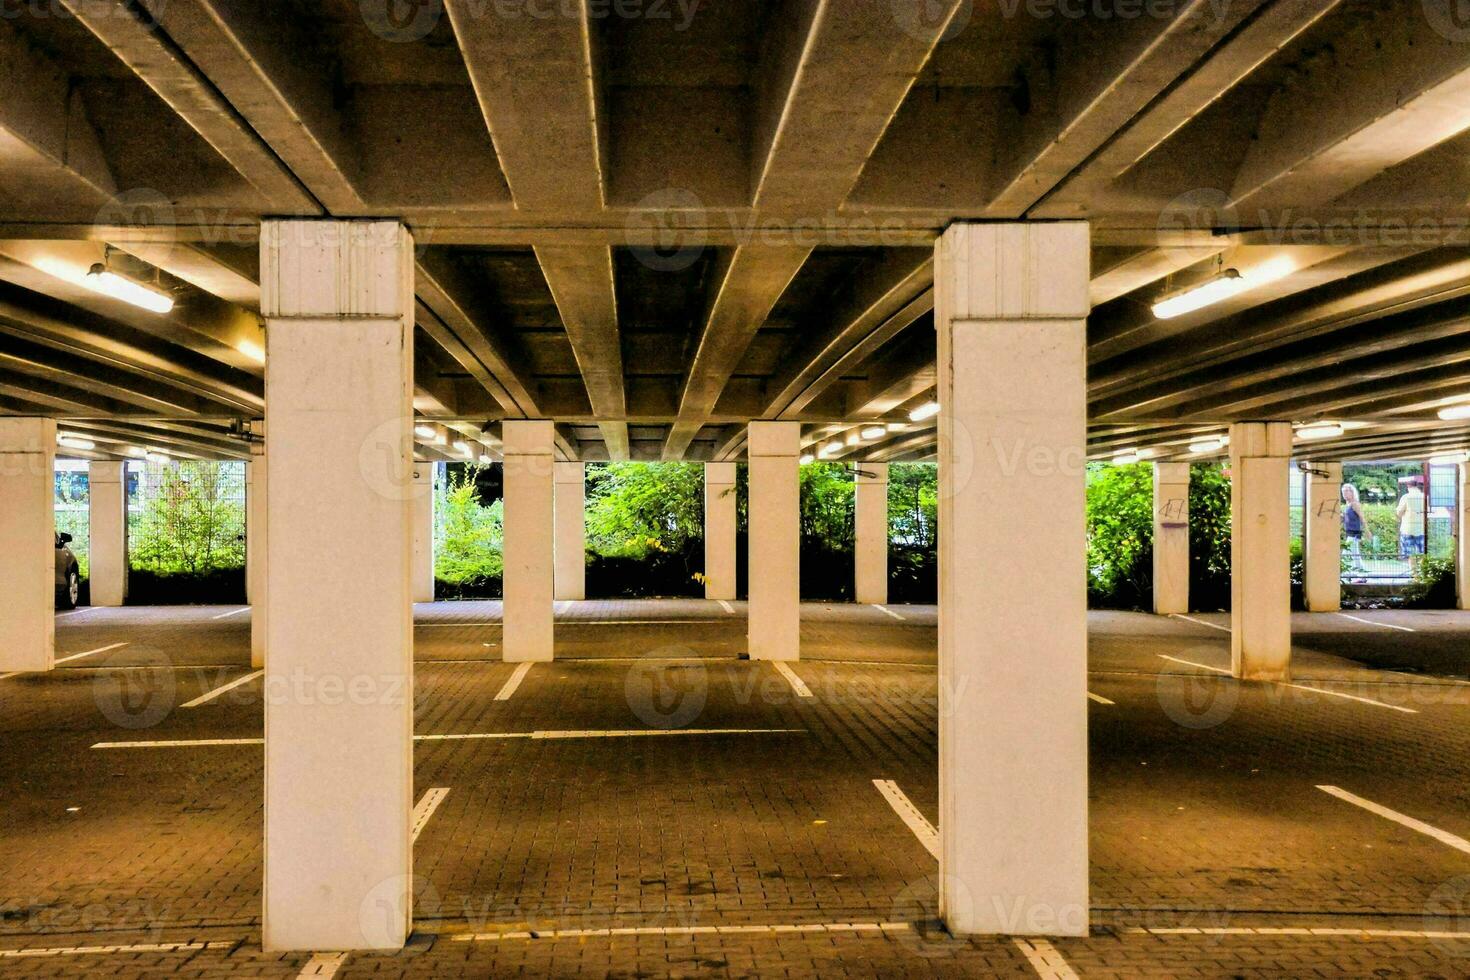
(653, 221)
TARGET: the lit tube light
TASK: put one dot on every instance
(831, 449)
(875, 432)
(74, 442)
(897, 426)
(1450, 459)
(807, 458)
(1324, 430)
(925, 411)
(1126, 457)
(1221, 287)
(1455, 413)
(424, 431)
(1211, 445)
(101, 279)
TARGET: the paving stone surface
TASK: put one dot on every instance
(1205, 809)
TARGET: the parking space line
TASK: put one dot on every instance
(426, 807)
(742, 930)
(1099, 698)
(1370, 622)
(182, 743)
(910, 815)
(323, 965)
(211, 695)
(890, 612)
(232, 612)
(1443, 836)
(518, 675)
(727, 607)
(1296, 931)
(73, 612)
(1045, 959)
(189, 743)
(1353, 697)
(88, 653)
(1191, 663)
(126, 950)
(797, 684)
(1199, 622)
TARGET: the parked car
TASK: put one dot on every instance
(68, 574)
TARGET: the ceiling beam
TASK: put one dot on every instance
(581, 282)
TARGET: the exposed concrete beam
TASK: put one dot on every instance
(164, 68)
(901, 376)
(174, 438)
(65, 372)
(581, 282)
(200, 269)
(1394, 86)
(262, 66)
(47, 145)
(1144, 268)
(1105, 73)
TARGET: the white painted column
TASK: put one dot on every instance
(528, 584)
(337, 297)
(423, 532)
(571, 531)
(719, 530)
(1171, 538)
(1010, 309)
(255, 536)
(27, 544)
(107, 532)
(1322, 538)
(870, 545)
(1462, 541)
(1260, 550)
(774, 622)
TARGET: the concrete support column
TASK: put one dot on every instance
(255, 577)
(423, 532)
(27, 544)
(719, 530)
(1322, 538)
(870, 550)
(107, 532)
(528, 584)
(1462, 540)
(571, 531)
(774, 628)
(1171, 538)
(1260, 550)
(1010, 310)
(337, 297)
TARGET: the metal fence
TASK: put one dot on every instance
(73, 510)
(1397, 535)
(186, 516)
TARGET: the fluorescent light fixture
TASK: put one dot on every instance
(1213, 290)
(875, 432)
(101, 279)
(831, 449)
(854, 438)
(154, 456)
(1320, 430)
(1211, 445)
(1450, 459)
(1455, 412)
(925, 411)
(425, 431)
(485, 458)
(897, 426)
(74, 442)
(251, 350)
(1143, 453)
(138, 451)
(1126, 457)
(463, 448)
(807, 458)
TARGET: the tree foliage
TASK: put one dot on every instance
(634, 509)
(827, 505)
(469, 536)
(913, 505)
(190, 518)
(1120, 532)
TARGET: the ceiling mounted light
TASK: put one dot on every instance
(137, 451)
(1454, 413)
(1211, 445)
(463, 448)
(854, 438)
(425, 431)
(897, 426)
(875, 432)
(831, 449)
(1320, 430)
(807, 458)
(101, 279)
(1126, 457)
(71, 441)
(1450, 459)
(1213, 290)
(251, 350)
(485, 459)
(154, 456)
(925, 411)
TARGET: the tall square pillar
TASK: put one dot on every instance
(528, 585)
(1260, 550)
(107, 532)
(870, 547)
(570, 578)
(719, 530)
(27, 544)
(1322, 538)
(774, 621)
(255, 577)
(338, 301)
(1462, 540)
(1010, 309)
(1171, 538)
(423, 532)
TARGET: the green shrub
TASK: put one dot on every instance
(469, 536)
(1433, 586)
(73, 517)
(637, 509)
(1209, 537)
(190, 521)
(1120, 533)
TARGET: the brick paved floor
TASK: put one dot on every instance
(1205, 810)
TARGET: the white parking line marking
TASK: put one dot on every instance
(73, 612)
(592, 622)
(323, 965)
(904, 807)
(189, 743)
(78, 656)
(211, 695)
(232, 612)
(1045, 959)
(1296, 931)
(94, 950)
(1199, 622)
(1099, 698)
(1353, 697)
(888, 611)
(561, 607)
(797, 684)
(727, 607)
(1370, 622)
(1443, 836)
(1191, 663)
(818, 927)
(518, 675)
(426, 807)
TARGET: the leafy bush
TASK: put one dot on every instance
(913, 532)
(189, 519)
(73, 516)
(1120, 534)
(635, 509)
(469, 538)
(1433, 586)
(1209, 537)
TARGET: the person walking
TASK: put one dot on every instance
(1411, 521)
(1354, 523)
